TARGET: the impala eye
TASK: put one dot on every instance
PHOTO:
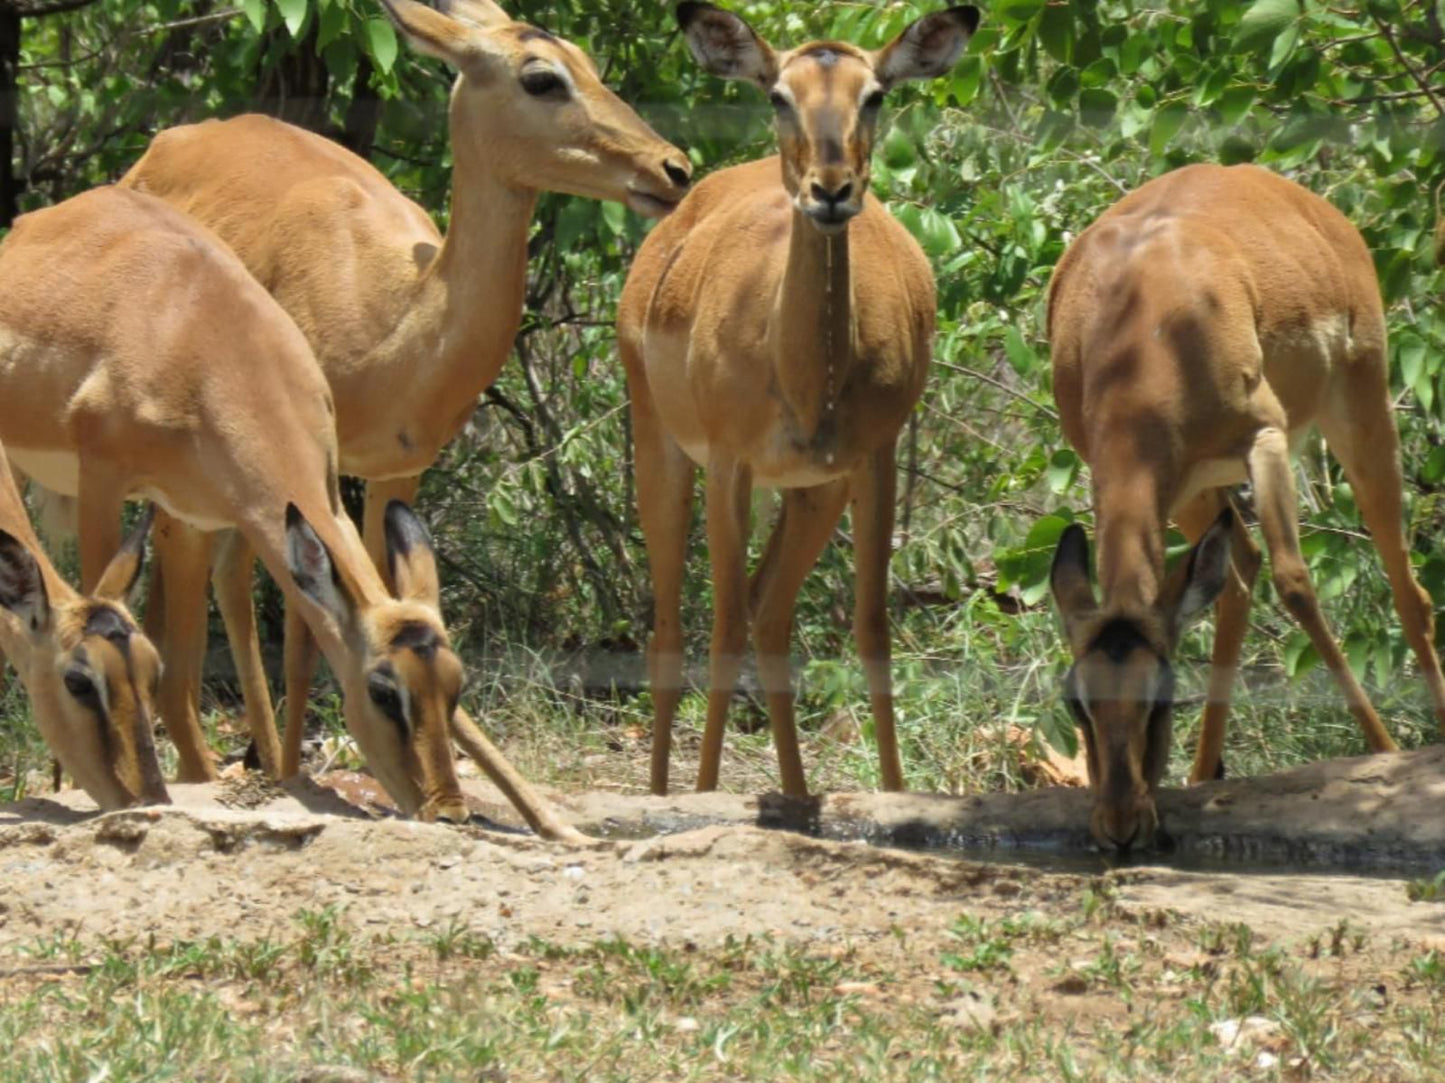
(80, 685)
(540, 82)
(387, 698)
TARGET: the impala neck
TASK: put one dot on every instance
(460, 330)
(1130, 526)
(815, 325)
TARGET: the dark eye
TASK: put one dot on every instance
(387, 698)
(79, 685)
(540, 82)
(873, 102)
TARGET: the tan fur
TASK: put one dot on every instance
(1199, 327)
(776, 349)
(409, 327)
(107, 747)
(133, 340)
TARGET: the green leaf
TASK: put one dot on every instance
(255, 13)
(1097, 107)
(293, 14)
(1234, 103)
(1263, 22)
(1020, 355)
(381, 43)
(1062, 470)
(1056, 32)
(1168, 119)
(334, 17)
(615, 215)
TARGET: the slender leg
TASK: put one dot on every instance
(874, 489)
(231, 577)
(534, 809)
(185, 553)
(804, 527)
(1269, 470)
(1360, 428)
(300, 667)
(1231, 619)
(729, 493)
(373, 533)
(665, 479)
(101, 499)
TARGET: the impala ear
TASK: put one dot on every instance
(22, 585)
(124, 568)
(483, 14)
(1201, 576)
(458, 41)
(726, 46)
(927, 48)
(314, 570)
(1069, 577)
(411, 557)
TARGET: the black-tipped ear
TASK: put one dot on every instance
(927, 48)
(411, 556)
(313, 569)
(726, 46)
(1069, 577)
(1206, 570)
(22, 585)
(120, 575)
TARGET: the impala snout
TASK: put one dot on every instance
(830, 201)
(1129, 824)
(655, 193)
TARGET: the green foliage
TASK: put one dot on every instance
(1057, 110)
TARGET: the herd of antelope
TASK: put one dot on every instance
(253, 311)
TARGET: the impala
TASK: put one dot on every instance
(89, 671)
(776, 331)
(1199, 328)
(139, 358)
(408, 326)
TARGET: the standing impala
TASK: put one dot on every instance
(409, 327)
(1199, 328)
(776, 331)
(89, 671)
(139, 358)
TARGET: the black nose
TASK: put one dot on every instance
(822, 195)
(680, 175)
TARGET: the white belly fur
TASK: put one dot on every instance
(59, 471)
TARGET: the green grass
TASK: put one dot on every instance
(452, 1005)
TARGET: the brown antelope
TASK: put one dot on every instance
(776, 331)
(139, 358)
(1199, 328)
(89, 671)
(409, 327)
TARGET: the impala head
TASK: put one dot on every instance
(401, 679)
(827, 95)
(1121, 686)
(90, 672)
(536, 107)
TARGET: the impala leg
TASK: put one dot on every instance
(1360, 428)
(806, 524)
(534, 808)
(373, 530)
(300, 666)
(231, 576)
(101, 499)
(874, 491)
(185, 553)
(1269, 471)
(1231, 619)
(664, 507)
(729, 495)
